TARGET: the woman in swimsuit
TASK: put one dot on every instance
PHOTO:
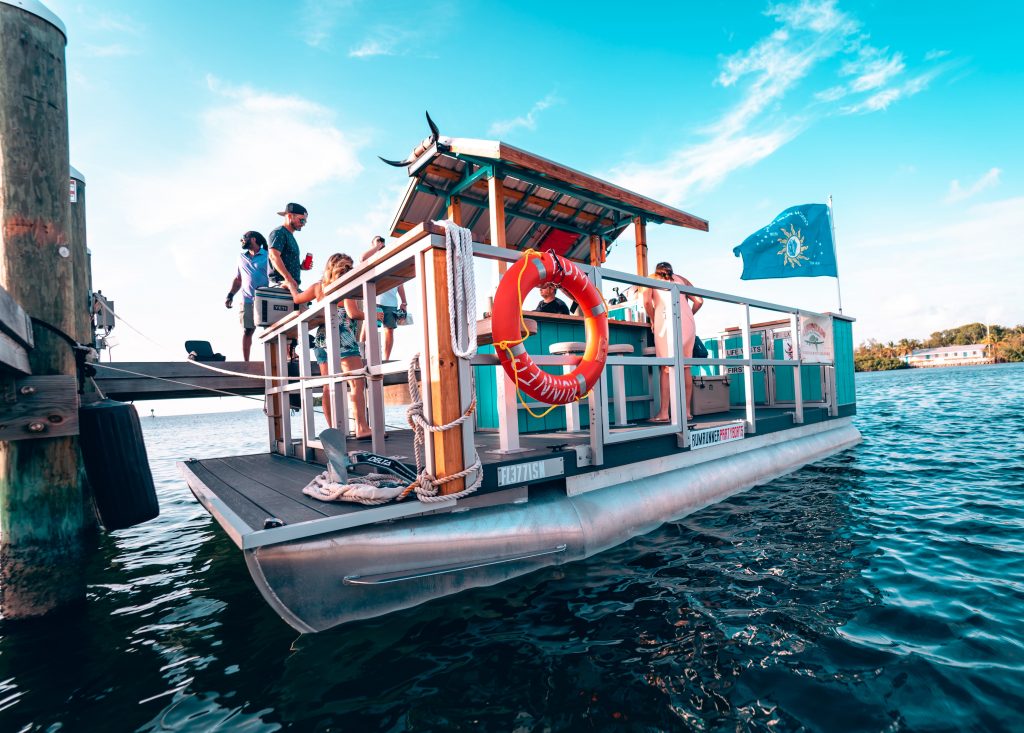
(658, 304)
(337, 265)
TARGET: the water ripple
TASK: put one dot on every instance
(881, 589)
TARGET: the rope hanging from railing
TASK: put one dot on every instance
(458, 245)
(426, 484)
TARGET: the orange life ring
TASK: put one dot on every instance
(526, 274)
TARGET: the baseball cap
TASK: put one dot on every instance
(293, 209)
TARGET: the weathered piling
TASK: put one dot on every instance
(81, 273)
(41, 518)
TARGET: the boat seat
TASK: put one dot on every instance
(484, 337)
(618, 380)
(655, 380)
(202, 351)
(572, 410)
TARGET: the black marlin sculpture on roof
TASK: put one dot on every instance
(435, 134)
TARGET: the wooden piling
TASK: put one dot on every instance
(41, 518)
(81, 274)
(80, 266)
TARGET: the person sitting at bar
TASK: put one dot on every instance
(351, 360)
(549, 302)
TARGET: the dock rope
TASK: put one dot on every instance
(458, 245)
(426, 484)
(373, 489)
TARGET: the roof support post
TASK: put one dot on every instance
(596, 250)
(496, 196)
(640, 228)
(445, 372)
(455, 209)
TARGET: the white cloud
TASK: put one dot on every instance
(527, 121)
(319, 19)
(111, 50)
(372, 48)
(811, 35)
(981, 246)
(883, 99)
(873, 69)
(958, 192)
(166, 235)
(254, 151)
(935, 54)
(700, 167)
(122, 24)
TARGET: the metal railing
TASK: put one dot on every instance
(409, 257)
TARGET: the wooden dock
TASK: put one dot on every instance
(164, 380)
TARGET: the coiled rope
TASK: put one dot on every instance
(373, 489)
(426, 484)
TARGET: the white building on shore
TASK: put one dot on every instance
(941, 356)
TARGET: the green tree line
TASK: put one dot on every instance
(1002, 344)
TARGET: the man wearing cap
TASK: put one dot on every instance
(284, 250)
(549, 303)
(250, 274)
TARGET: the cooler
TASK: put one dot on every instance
(710, 395)
(271, 305)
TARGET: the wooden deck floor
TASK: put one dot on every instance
(259, 491)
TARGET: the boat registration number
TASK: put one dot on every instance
(706, 437)
(530, 472)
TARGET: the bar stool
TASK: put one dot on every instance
(619, 383)
(572, 410)
(572, 414)
(654, 374)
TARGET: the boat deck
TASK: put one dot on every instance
(259, 500)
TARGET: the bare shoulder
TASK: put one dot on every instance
(682, 280)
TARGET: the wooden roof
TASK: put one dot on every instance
(542, 198)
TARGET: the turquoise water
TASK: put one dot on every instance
(882, 589)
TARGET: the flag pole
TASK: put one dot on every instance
(835, 251)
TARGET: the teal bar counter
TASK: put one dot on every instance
(552, 329)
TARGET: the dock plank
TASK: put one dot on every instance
(288, 476)
(273, 502)
(250, 513)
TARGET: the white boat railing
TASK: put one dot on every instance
(420, 255)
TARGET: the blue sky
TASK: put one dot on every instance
(195, 121)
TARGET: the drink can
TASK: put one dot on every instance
(307, 264)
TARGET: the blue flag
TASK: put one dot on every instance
(798, 243)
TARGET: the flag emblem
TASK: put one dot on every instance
(792, 246)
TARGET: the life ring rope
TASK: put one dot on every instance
(506, 345)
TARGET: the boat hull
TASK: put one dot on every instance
(323, 581)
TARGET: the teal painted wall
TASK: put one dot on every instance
(552, 332)
(737, 391)
(810, 379)
(842, 338)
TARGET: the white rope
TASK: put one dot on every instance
(458, 244)
(372, 490)
(174, 381)
(343, 377)
(426, 484)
